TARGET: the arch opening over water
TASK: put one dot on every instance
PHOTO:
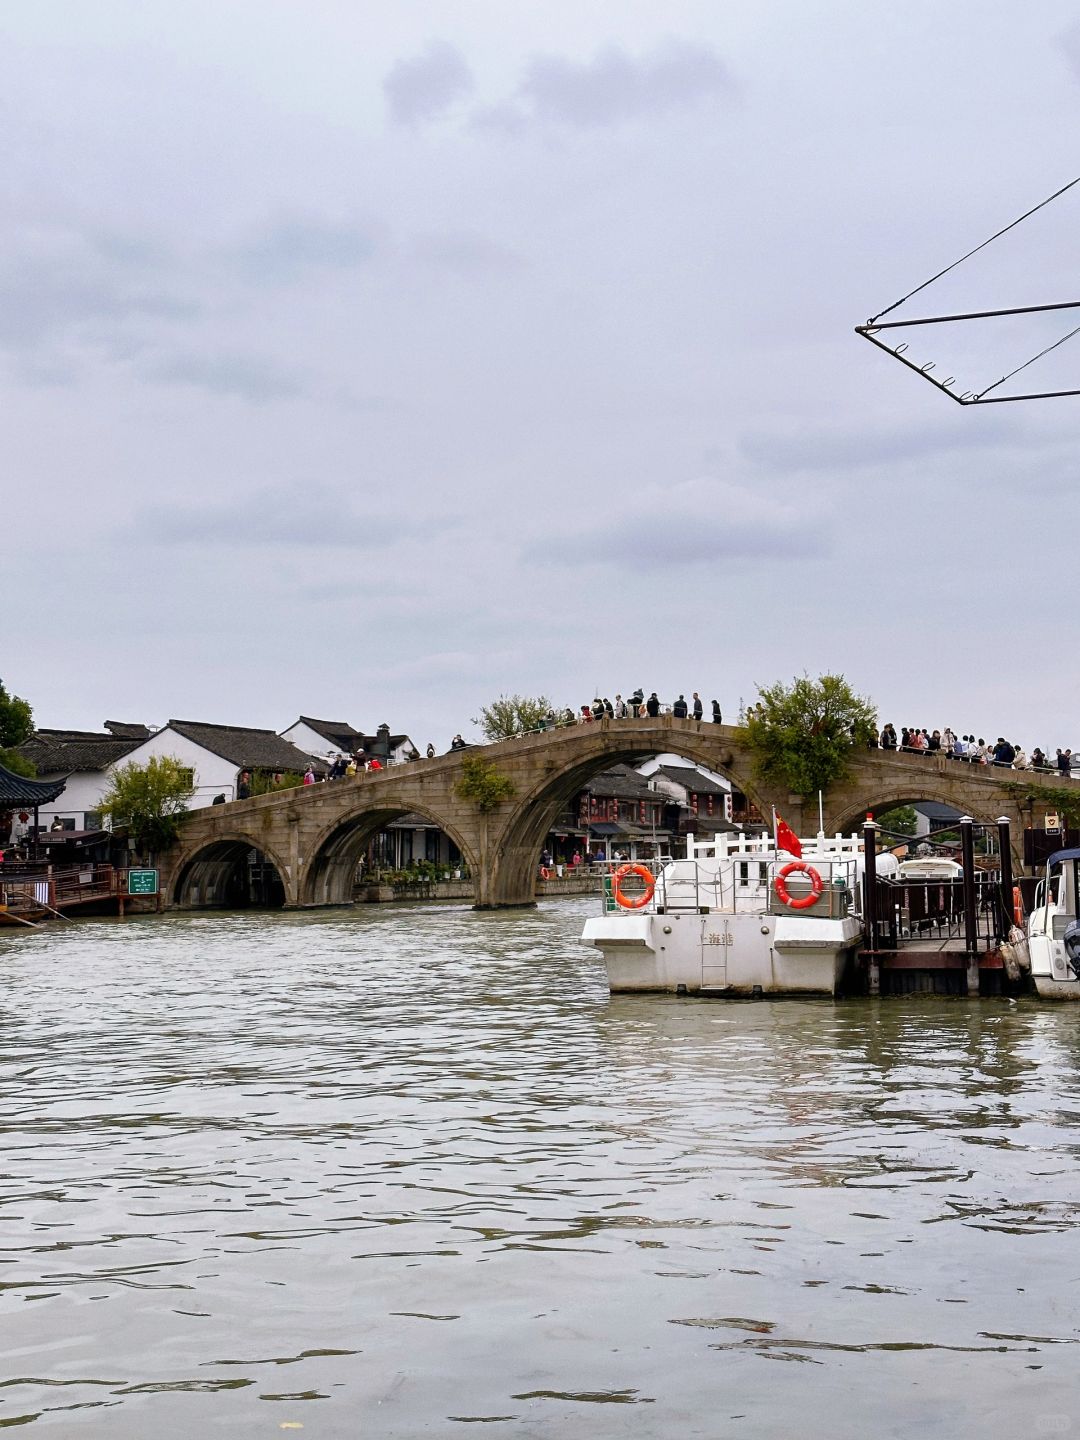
(330, 873)
(230, 875)
(536, 812)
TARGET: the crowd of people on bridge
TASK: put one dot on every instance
(1002, 753)
(635, 707)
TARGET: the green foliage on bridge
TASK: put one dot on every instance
(1032, 795)
(803, 735)
(511, 715)
(149, 799)
(483, 783)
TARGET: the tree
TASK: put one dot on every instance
(901, 821)
(511, 715)
(802, 735)
(482, 782)
(149, 799)
(17, 764)
(16, 719)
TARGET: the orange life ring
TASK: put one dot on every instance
(1018, 906)
(805, 901)
(545, 873)
(636, 902)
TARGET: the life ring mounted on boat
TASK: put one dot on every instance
(784, 895)
(633, 902)
(1018, 906)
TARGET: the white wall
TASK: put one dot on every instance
(308, 740)
(84, 790)
(213, 774)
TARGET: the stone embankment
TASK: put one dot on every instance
(367, 893)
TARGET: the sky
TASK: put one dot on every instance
(369, 361)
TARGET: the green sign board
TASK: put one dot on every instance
(142, 882)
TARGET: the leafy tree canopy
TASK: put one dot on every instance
(149, 799)
(16, 719)
(511, 715)
(803, 734)
(483, 783)
(901, 821)
(13, 761)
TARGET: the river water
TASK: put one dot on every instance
(410, 1171)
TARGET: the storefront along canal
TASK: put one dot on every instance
(403, 1171)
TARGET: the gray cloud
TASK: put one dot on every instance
(613, 87)
(426, 86)
(693, 523)
(291, 248)
(62, 288)
(294, 516)
(465, 254)
(853, 447)
(243, 376)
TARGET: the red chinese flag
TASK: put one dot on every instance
(786, 839)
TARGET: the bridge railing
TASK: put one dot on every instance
(912, 910)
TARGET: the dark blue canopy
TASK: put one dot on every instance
(19, 793)
(1059, 855)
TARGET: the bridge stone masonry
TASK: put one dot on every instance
(314, 836)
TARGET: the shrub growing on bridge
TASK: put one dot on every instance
(802, 735)
(483, 783)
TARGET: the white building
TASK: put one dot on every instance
(85, 759)
(329, 738)
(217, 755)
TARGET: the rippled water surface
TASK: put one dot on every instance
(407, 1171)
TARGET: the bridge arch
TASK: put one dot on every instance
(895, 796)
(223, 873)
(627, 743)
(329, 869)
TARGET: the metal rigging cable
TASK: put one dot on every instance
(1012, 225)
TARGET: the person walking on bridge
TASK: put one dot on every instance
(678, 710)
(652, 706)
(698, 707)
(717, 719)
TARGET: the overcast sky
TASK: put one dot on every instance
(366, 361)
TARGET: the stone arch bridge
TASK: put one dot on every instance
(314, 836)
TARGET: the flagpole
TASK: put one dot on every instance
(820, 815)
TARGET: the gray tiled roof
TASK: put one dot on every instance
(246, 748)
(692, 778)
(622, 783)
(62, 752)
(340, 735)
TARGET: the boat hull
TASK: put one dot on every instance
(730, 955)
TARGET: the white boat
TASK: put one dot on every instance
(1054, 921)
(736, 917)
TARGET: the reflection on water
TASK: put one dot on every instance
(402, 1171)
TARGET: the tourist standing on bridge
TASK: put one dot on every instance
(888, 737)
(620, 708)
(652, 706)
(697, 707)
(430, 751)
(716, 716)
(1004, 754)
(309, 776)
(678, 710)
(637, 700)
